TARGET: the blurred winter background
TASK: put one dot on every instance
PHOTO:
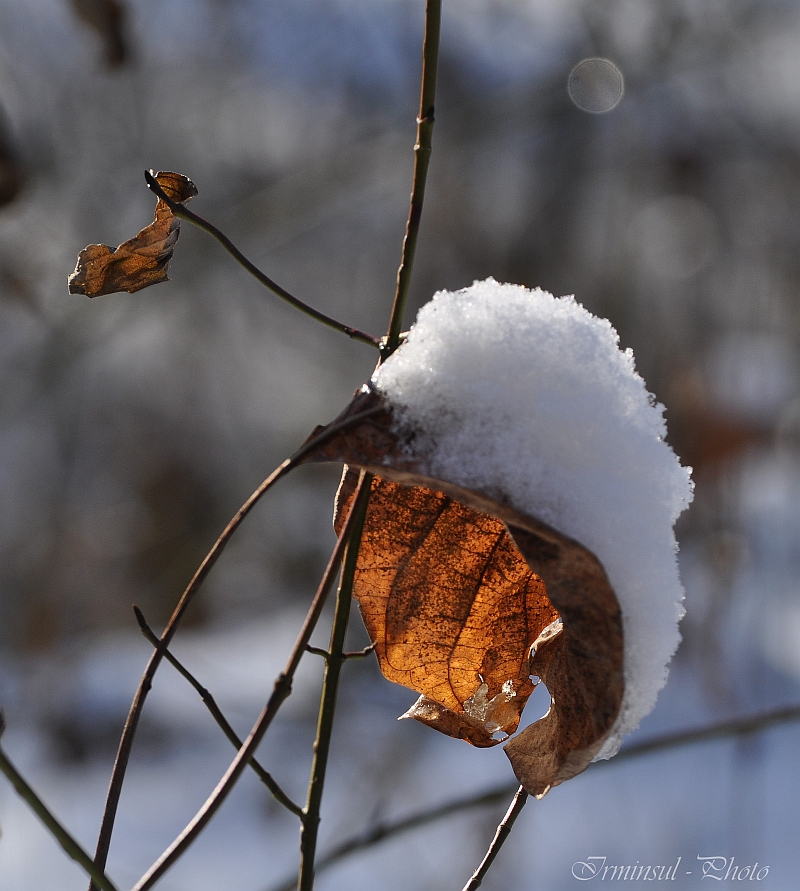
(132, 427)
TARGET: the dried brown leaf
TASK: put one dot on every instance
(143, 260)
(465, 598)
(452, 607)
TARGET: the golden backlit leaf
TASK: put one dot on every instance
(465, 598)
(143, 260)
(452, 608)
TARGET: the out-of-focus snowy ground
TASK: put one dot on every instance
(730, 798)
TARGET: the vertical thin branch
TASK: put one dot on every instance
(335, 659)
(503, 831)
(282, 689)
(67, 842)
(333, 666)
(422, 155)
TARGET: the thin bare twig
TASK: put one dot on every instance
(281, 690)
(360, 654)
(422, 156)
(318, 651)
(503, 831)
(383, 831)
(732, 727)
(330, 685)
(59, 833)
(179, 210)
(132, 721)
(354, 654)
(211, 704)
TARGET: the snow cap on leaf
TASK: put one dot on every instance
(528, 398)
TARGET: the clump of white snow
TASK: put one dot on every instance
(529, 398)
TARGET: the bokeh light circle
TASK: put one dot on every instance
(596, 85)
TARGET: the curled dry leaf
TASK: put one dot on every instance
(143, 260)
(469, 601)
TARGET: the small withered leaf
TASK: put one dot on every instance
(466, 599)
(176, 186)
(142, 260)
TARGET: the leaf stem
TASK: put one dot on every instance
(503, 831)
(67, 842)
(132, 720)
(281, 690)
(422, 155)
(333, 666)
(211, 704)
(179, 210)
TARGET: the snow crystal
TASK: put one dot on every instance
(529, 398)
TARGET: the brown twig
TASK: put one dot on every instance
(732, 727)
(132, 721)
(422, 156)
(179, 210)
(503, 831)
(281, 691)
(354, 654)
(211, 704)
